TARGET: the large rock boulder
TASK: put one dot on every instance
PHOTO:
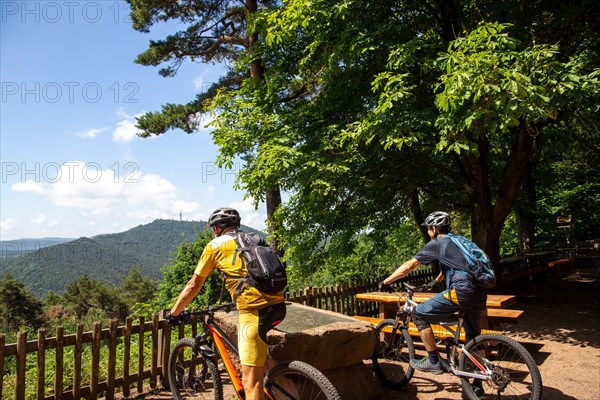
(333, 343)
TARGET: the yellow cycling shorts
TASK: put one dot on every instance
(252, 333)
(253, 351)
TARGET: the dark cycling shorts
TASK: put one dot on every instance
(442, 306)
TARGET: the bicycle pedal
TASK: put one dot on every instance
(445, 365)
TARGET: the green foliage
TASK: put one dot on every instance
(138, 289)
(365, 256)
(570, 185)
(18, 307)
(180, 270)
(85, 294)
(509, 241)
(373, 113)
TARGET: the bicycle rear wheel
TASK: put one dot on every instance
(298, 380)
(392, 355)
(515, 373)
(191, 375)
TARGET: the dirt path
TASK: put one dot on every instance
(560, 328)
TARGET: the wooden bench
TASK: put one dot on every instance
(562, 264)
(438, 330)
(496, 316)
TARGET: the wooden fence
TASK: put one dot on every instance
(110, 350)
(148, 372)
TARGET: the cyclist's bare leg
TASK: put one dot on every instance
(428, 339)
(252, 379)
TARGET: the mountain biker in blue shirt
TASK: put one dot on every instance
(461, 292)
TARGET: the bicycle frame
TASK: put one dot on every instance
(220, 339)
(404, 316)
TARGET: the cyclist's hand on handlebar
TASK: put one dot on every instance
(431, 284)
(183, 316)
(382, 287)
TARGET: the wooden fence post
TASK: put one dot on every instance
(155, 351)
(2, 340)
(21, 361)
(140, 382)
(95, 368)
(77, 362)
(166, 349)
(41, 364)
(112, 359)
(126, 355)
(59, 357)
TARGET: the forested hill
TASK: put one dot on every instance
(19, 247)
(106, 257)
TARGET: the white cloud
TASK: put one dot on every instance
(95, 192)
(8, 224)
(38, 219)
(125, 129)
(90, 133)
(29, 187)
(42, 220)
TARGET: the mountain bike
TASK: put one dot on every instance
(504, 367)
(194, 373)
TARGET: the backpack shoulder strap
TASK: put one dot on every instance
(457, 240)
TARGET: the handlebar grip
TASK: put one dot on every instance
(227, 307)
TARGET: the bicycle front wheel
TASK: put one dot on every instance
(393, 352)
(515, 374)
(191, 375)
(298, 380)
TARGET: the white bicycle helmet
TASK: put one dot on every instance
(437, 219)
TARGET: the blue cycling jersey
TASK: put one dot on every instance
(453, 264)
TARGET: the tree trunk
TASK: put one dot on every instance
(487, 218)
(450, 18)
(525, 213)
(417, 214)
(272, 194)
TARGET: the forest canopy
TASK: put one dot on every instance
(371, 115)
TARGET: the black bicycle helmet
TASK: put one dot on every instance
(223, 217)
(437, 219)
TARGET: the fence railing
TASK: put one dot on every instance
(132, 357)
(138, 371)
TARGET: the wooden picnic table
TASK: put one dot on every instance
(388, 302)
(493, 300)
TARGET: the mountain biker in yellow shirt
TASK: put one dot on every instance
(258, 312)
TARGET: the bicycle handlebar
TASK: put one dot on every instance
(413, 289)
(185, 315)
(227, 307)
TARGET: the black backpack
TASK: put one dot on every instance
(266, 271)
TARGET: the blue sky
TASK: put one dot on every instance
(72, 164)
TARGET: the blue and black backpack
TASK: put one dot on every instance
(479, 264)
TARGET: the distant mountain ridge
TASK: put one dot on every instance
(107, 257)
(19, 247)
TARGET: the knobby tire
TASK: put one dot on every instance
(516, 375)
(392, 355)
(191, 375)
(298, 380)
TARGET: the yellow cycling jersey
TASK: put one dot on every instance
(219, 253)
